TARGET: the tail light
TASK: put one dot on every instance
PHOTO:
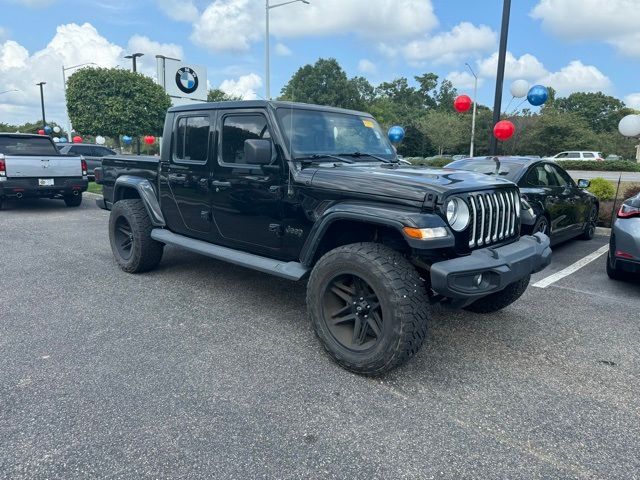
(84, 167)
(3, 167)
(628, 211)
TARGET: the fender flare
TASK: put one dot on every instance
(380, 215)
(147, 194)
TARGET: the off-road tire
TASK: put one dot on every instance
(402, 298)
(612, 272)
(145, 252)
(590, 227)
(537, 227)
(499, 300)
(73, 200)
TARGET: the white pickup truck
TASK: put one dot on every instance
(31, 166)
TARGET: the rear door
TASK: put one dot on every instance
(246, 199)
(186, 174)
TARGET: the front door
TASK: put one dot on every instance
(187, 176)
(246, 199)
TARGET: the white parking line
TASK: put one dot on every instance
(551, 279)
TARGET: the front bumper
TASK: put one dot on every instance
(29, 188)
(458, 279)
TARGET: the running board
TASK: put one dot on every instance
(288, 270)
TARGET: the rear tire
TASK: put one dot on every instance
(499, 300)
(130, 237)
(73, 200)
(368, 307)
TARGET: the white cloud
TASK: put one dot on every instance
(244, 87)
(462, 41)
(282, 50)
(613, 21)
(463, 80)
(577, 77)
(180, 10)
(633, 101)
(527, 67)
(13, 56)
(233, 25)
(151, 48)
(367, 66)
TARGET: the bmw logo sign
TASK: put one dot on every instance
(187, 80)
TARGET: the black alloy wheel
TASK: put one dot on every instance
(124, 238)
(352, 313)
(541, 226)
(592, 220)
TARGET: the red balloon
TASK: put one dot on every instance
(462, 103)
(41, 132)
(504, 130)
(149, 140)
(77, 139)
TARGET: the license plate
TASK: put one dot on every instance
(45, 182)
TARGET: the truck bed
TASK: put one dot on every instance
(142, 166)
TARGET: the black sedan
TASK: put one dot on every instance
(552, 202)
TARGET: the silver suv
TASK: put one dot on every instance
(577, 155)
(92, 153)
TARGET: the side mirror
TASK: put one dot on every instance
(582, 183)
(257, 151)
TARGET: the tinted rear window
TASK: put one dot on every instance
(508, 170)
(27, 146)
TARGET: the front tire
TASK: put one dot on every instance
(590, 228)
(499, 300)
(541, 226)
(130, 237)
(612, 272)
(368, 307)
(73, 200)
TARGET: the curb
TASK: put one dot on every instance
(93, 195)
(603, 231)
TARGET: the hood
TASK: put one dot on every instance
(406, 182)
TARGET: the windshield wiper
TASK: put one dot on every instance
(360, 154)
(320, 156)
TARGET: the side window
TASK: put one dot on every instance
(574, 155)
(588, 155)
(75, 150)
(541, 176)
(562, 155)
(192, 139)
(562, 177)
(238, 128)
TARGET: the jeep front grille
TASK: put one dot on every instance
(494, 217)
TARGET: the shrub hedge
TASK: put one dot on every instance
(605, 166)
(603, 189)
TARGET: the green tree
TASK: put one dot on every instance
(556, 131)
(217, 95)
(445, 96)
(446, 130)
(602, 112)
(323, 83)
(103, 101)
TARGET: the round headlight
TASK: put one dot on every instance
(457, 214)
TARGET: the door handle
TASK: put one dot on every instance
(220, 185)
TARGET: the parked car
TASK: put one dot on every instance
(624, 251)
(577, 155)
(297, 190)
(92, 153)
(31, 166)
(613, 158)
(553, 203)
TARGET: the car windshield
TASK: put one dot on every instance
(317, 132)
(17, 145)
(508, 170)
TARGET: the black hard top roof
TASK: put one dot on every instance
(198, 106)
(24, 135)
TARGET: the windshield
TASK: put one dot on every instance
(488, 167)
(15, 145)
(316, 132)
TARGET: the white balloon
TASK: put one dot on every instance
(56, 139)
(56, 129)
(520, 88)
(100, 140)
(629, 126)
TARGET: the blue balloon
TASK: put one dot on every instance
(537, 95)
(63, 139)
(396, 134)
(47, 129)
(126, 139)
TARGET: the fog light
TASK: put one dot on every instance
(477, 280)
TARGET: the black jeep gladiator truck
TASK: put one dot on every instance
(302, 191)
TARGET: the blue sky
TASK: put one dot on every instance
(568, 44)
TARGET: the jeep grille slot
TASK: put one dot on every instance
(493, 217)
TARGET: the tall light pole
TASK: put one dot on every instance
(502, 55)
(64, 86)
(475, 104)
(44, 120)
(133, 57)
(267, 58)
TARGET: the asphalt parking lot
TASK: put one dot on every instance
(200, 369)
